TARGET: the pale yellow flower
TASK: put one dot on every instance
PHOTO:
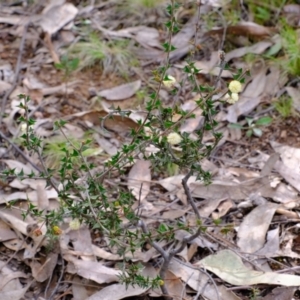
(233, 98)
(74, 224)
(235, 86)
(174, 138)
(23, 127)
(170, 83)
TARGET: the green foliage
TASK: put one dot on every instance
(255, 292)
(231, 13)
(133, 276)
(67, 65)
(55, 148)
(254, 127)
(140, 7)
(112, 55)
(291, 47)
(143, 3)
(81, 186)
(265, 12)
(284, 105)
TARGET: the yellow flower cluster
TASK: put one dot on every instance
(234, 87)
(174, 138)
(74, 224)
(170, 83)
(231, 99)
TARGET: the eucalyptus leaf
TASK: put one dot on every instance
(257, 132)
(235, 126)
(249, 133)
(229, 267)
(263, 121)
(249, 121)
(274, 49)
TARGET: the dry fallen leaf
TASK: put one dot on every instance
(139, 179)
(253, 229)
(54, 17)
(114, 123)
(121, 92)
(244, 29)
(82, 243)
(117, 291)
(290, 156)
(174, 183)
(281, 293)
(92, 270)
(199, 281)
(271, 247)
(230, 268)
(6, 233)
(257, 48)
(13, 294)
(43, 271)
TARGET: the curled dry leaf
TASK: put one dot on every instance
(114, 123)
(121, 92)
(14, 219)
(245, 29)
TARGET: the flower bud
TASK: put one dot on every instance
(56, 230)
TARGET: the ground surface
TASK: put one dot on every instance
(69, 58)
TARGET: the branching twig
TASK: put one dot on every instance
(189, 194)
(163, 253)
